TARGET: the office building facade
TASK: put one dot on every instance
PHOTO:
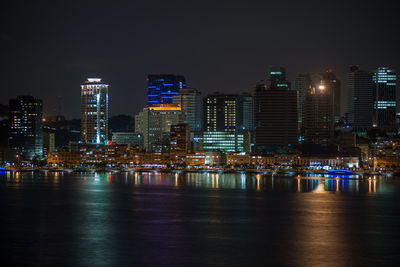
(275, 118)
(384, 97)
(191, 103)
(154, 124)
(360, 106)
(161, 88)
(26, 129)
(94, 111)
(318, 114)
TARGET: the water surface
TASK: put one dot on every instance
(181, 219)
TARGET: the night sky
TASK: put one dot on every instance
(48, 48)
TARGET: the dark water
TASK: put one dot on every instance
(168, 219)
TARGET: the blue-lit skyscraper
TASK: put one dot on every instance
(384, 93)
(94, 111)
(161, 88)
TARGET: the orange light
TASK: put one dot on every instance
(165, 107)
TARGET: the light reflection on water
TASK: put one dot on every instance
(208, 180)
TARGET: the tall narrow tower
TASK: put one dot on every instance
(94, 111)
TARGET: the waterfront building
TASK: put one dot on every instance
(318, 113)
(26, 130)
(223, 112)
(331, 81)
(224, 141)
(248, 112)
(180, 138)
(384, 97)
(191, 103)
(48, 142)
(94, 111)
(154, 124)
(360, 90)
(161, 88)
(127, 138)
(301, 84)
(275, 118)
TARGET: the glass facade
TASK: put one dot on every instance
(94, 111)
(161, 88)
(384, 95)
(26, 131)
(223, 141)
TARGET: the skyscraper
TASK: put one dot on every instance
(384, 95)
(277, 77)
(275, 118)
(161, 88)
(360, 98)
(180, 138)
(191, 103)
(223, 122)
(154, 124)
(26, 132)
(94, 111)
(331, 80)
(318, 113)
(301, 84)
(223, 113)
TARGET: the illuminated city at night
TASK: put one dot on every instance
(213, 133)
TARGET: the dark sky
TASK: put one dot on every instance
(48, 48)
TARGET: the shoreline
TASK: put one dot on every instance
(217, 170)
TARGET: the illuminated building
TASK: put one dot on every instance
(384, 97)
(224, 141)
(318, 113)
(26, 130)
(248, 112)
(330, 80)
(180, 138)
(301, 84)
(154, 124)
(277, 77)
(127, 138)
(223, 113)
(304, 81)
(275, 118)
(190, 101)
(48, 142)
(223, 122)
(360, 98)
(161, 88)
(94, 111)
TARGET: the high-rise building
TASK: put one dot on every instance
(26, 130)
(223, 113)
(180, 138)
(154, 124)
(248, 112)
(127, 138)
(277, 77)
(304, 81)
(360, 92)
(384, 96)
(94, 111)
(275, 118)
(161, 88)
(331, 80)
(301, 84)
(318, 113)
(191, 103)
(223, 122)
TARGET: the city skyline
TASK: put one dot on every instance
(49, 55)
